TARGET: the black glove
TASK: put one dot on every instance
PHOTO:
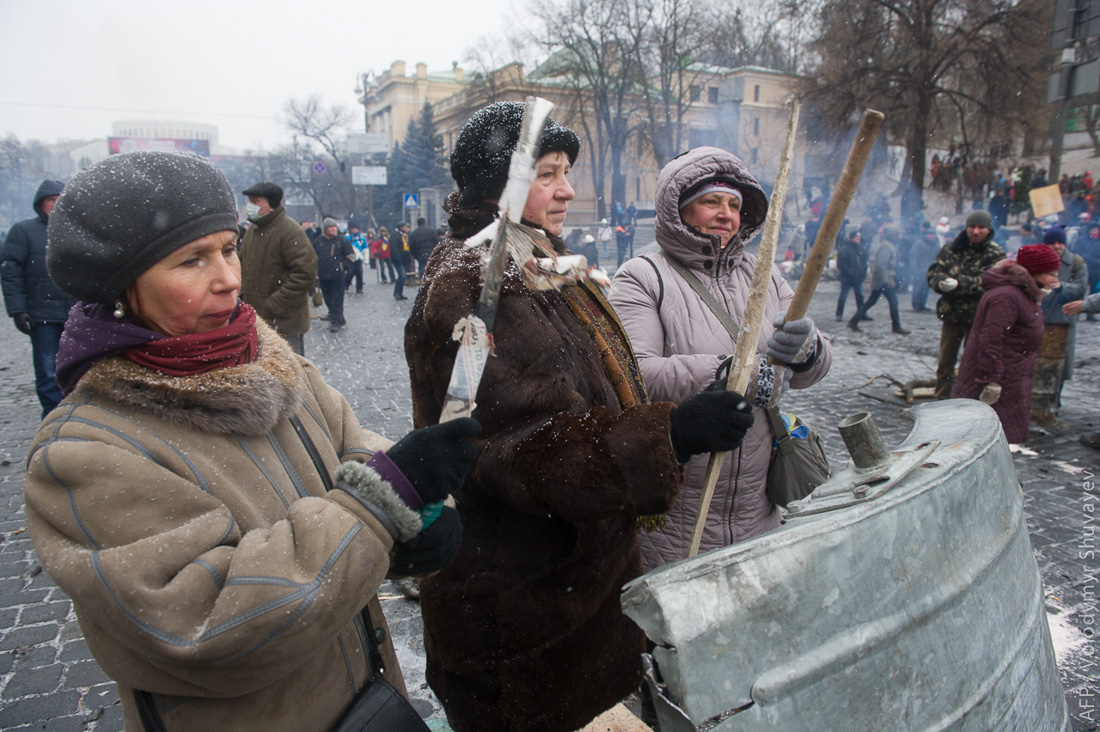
(436, 459)
(432, 549)
(22, 322)
(710, 421)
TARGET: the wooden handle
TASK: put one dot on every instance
(834, 216)
(744, 354)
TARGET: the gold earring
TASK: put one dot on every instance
(120, 310)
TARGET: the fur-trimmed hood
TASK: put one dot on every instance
(686, 243)
(245, 400)
(1007, 273)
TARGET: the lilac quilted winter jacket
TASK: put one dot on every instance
(680, 343)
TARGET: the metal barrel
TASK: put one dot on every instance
(902, 598)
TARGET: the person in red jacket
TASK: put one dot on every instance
(381, 249)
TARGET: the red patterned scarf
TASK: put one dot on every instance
(196, 353)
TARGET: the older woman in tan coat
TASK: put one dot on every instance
(708, 207)
(188, 493)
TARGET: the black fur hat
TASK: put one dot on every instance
(481, 157)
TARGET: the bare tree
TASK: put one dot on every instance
(595, 51)
(935, 67)
(678, 35)
(328, 184)
(769, 35)
(21, 172)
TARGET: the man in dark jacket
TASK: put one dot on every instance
(925, 248)
(36, 305)
(884, 280)
(334, 255)
(957, 276)
(422, 242)
(278, 265)
(851, 265)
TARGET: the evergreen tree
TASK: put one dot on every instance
(414, 164)
(424, 147)
(389, 201)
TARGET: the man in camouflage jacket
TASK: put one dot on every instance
(957, 276)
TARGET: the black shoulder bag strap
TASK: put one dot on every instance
(379, 706)
(314, 455)
(147, 712)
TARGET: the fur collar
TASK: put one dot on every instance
(246, 400)
(1008, 273)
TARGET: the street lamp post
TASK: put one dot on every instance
(1057, 141)
(362, 91)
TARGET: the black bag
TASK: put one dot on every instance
(798, 463)
(379, 707)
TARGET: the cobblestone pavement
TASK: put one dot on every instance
(48, 680)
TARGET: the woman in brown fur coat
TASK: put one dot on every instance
(524, 631)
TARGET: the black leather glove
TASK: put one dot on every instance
(436, 459)
(22, 322)
(710, 421)
(432, 549)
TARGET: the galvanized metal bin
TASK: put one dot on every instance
(898, 597)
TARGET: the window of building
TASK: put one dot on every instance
(756, 93)
(756, 126)
(696, 92)
(712, 95)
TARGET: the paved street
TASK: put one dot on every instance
(48, 681)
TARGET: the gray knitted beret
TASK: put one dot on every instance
(124, 214)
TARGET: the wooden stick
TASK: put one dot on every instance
(869, 127)
(744, 355)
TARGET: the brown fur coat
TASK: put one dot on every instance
(524, 631)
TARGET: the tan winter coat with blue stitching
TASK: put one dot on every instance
(205, 561)
(680, 343)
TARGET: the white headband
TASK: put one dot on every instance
(721, 186)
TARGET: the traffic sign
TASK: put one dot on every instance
(412, 200)
(369, 143)
(368, 175)
(319, 168)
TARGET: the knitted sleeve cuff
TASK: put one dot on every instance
(378, 496)
(392, 474)
(811, 357)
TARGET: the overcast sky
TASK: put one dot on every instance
(71, 67)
